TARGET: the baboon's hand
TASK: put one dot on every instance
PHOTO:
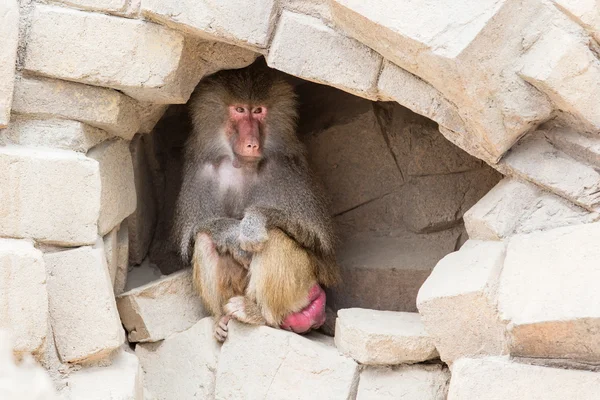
(253, 233)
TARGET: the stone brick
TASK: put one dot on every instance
(150, 114)
(582, 147)
(83, 311)
(110, 247)
(122, 259)
(536, 160)
(100, 107)
(52, 133)
(140, 275)
(383, 337)
(500, 379)
(385, 271)
(514, 206)
(41, 202)
(457, 302)
(154, 64)
(122, 380)
(466, 52)
(316, 8)
(24, 381)
(142, 222)
(412, 92)
(183, 366)
(584, 12)
(406, 382)
(236, 21)
(161, 308)
(547, 294)
(262, 362)
(24, 297)
(321, 55)
(437, 202)
(9, 39)
(96, 5)
(118, 185)
(338, 156)
(564, 67)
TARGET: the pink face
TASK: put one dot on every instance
(246, 128)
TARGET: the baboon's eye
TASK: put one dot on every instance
(257, 110)
(239, 109)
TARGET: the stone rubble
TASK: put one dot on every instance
(406, 382)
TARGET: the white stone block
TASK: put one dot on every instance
(581, 146)
(466, 51)
(140, 275)
(109, 245)
(548, 293)
(9, 38)
(23, 295)
(514, 206)
(238, 22)
(534, 159)
(52, 196)
(150, 114)
(323, 55)
(96, 5)
(266, 363)
(375, 337)
(500, 379)
(564, 67)
(406, 382)
(118, 186)
(122, 380)
(100, 107)
(412, 92)
(154, 64)
(584, 12)
(161, 308)
(457, 302)
(183, 366)
(83, 311)
(122, 259)
(24, 381)
(52, 133)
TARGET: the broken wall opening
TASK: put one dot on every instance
(398, 190)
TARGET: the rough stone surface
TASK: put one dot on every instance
(141, 275)
(84, 330)
(385, 271)
(323, 56)
(24, 381)
(262, 362)
(467, 281)
(24, 297)
(161, 308)
(122, 259)
(38, 202)
(237, 22)
(500, 379)
(582, 147)
(52, 133)
(149, 115)
(564, 67)
(383, 337)
(142, 222)
(122, 380)
(584, 12)
(455, 48)
(536, 160)
(514, 206)
(103, 108)
(110, 247)
(155, 64)
(437, 202)
(406, 382)
(96, 5)
(337, 155)
(118, 185)
(9, 38)
(545, 319)
(412, 92)
(183, 366)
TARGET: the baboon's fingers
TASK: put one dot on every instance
(221, 328)
(310, 317)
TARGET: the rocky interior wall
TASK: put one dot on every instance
(513, 83)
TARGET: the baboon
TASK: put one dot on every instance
(262, 239)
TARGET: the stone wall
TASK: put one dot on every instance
(513, 83)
